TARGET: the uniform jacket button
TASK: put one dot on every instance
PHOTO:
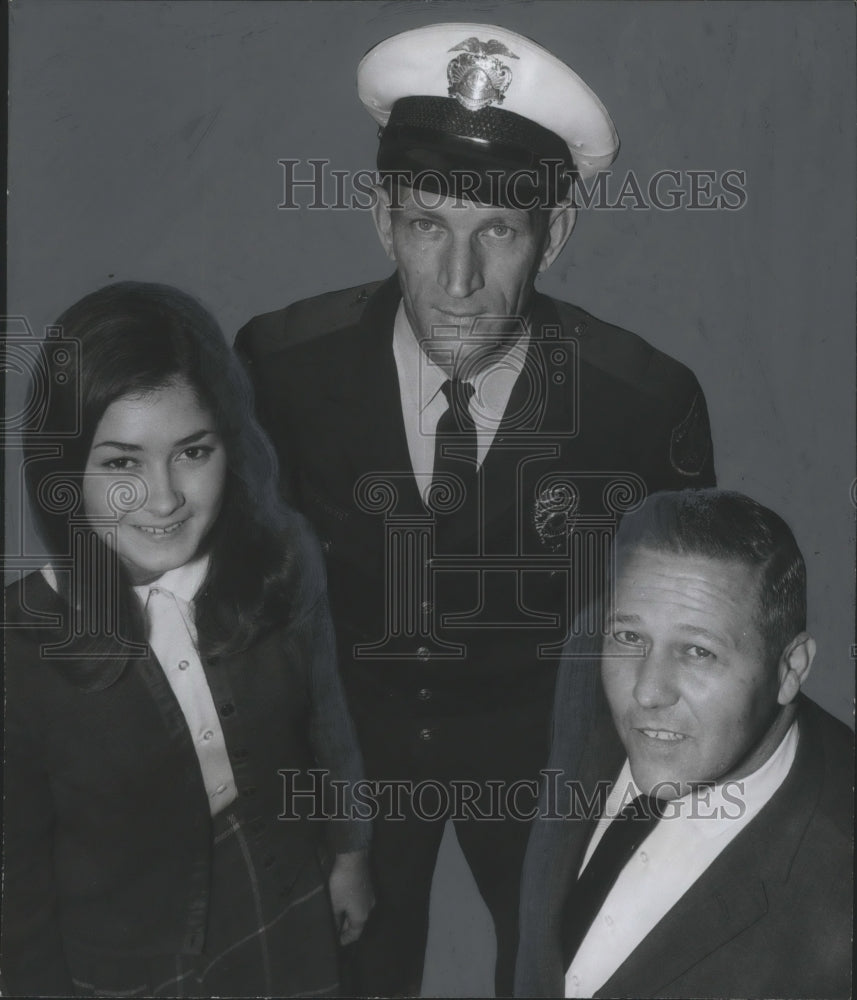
(423, 653)
(425, 734)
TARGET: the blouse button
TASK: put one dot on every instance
(208, 735)
(183, 664)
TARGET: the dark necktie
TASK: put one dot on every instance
(617, 846)
(455, 454)
(456, 432)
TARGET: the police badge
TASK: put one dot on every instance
(554, 514)
(477, 78)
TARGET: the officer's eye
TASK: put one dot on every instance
(628, 638)
(501, 231)
(424, 225)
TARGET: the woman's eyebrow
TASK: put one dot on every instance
(121, 445)
(193, 437)
(128, 446)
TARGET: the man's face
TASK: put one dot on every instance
(460, 262)
(696, 701)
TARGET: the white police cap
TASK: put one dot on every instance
(478, 95)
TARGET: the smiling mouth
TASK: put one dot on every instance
(665, 735)
(170, 529)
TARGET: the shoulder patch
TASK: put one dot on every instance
(690, 440)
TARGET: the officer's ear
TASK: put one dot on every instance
(794, 666)
(561, 221)
(383, 218)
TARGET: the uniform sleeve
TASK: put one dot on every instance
(690, 451)
(33, 959)
(332, 734)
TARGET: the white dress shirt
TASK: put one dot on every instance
(423, 404)
(168, 603)
(694, 830)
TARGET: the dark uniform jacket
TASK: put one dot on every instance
(771, 916)
(596, 418)
(107, 830)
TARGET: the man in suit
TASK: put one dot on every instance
(730, 871)
(464, 447)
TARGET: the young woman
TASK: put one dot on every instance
(170, 680)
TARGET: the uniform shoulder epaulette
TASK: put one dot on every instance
(304, 320)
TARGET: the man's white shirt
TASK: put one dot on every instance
(423, 404)
(694, 830)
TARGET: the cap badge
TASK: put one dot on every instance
(477, 78)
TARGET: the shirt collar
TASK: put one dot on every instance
(424, 378)
(183, 582)
(749, 793)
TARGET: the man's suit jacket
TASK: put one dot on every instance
(771, 916)
(596, 409)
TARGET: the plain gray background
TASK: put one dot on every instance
(144, 140)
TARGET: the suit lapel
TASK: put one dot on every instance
(731, 894)
(705, 918)
(361, 401)
(533, 437)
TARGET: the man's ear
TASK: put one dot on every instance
(794, 666)
(560, 224)
(382, 216)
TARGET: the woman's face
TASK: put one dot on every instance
(154, 479)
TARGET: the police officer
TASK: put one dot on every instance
(464, 447)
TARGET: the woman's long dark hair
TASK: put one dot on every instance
(132, 338)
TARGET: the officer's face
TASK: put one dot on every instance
(467, 270)
(692, 692)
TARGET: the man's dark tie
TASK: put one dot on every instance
(456, 428)
(617, 846)
(455, 453)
